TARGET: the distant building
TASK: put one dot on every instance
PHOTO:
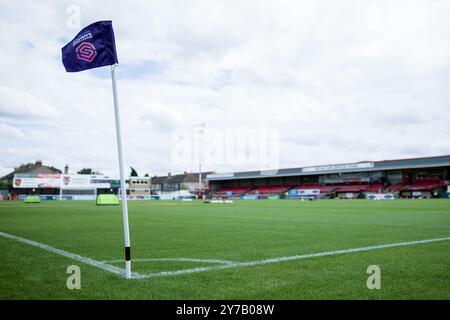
(180, 184)
(139, 186)
(29, 168)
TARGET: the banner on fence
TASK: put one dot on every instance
(381, 196)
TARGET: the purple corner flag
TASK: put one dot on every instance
(93, 47)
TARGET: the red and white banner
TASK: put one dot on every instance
(66, 181)
(41, 181)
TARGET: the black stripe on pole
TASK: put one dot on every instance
(127, 254)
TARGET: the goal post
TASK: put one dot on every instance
(78, 194)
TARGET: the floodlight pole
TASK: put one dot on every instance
(123, 188)
(201, 127)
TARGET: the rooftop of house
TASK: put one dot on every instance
(185, 177)
(32, 168)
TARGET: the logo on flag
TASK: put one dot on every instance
(86, 51)
(92, 47)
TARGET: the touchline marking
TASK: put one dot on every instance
(70, 255)
(290, 258)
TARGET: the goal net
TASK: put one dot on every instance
(78, 194)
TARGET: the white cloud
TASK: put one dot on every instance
(340, 81)
(11, 133)
(21, 104)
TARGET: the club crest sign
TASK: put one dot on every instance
(17, 182)
(86, 51)
(66, 180)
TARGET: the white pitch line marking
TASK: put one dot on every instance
(290, 258)
(175, 259)
(224, 264)
(70, 255)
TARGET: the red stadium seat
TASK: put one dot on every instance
(377, 188)
(322, 188)
(422, 185)
(236, 191)
(269, 190)
(352, 188)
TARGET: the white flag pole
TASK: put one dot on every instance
(126, 230)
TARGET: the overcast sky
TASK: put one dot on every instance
(333, 81)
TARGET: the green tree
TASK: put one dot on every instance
(85, 171)
(5, 186)
(133, 173)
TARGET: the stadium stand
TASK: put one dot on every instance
(322, 188)
(357, 190)
(425, 184)
(425, 177)
(235, 191)
(375, 188)
(270, 190)
(351, 188)
(395, 187)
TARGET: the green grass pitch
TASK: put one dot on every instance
(239, 232)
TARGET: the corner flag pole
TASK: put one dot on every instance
(126, 230)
